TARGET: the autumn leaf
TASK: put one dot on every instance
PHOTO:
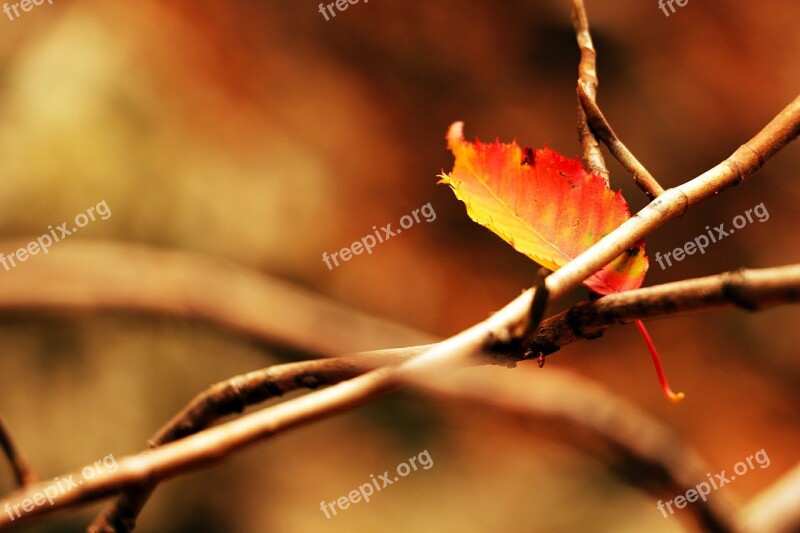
(549, 208)
(544, 204)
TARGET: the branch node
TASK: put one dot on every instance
(603, 130)
(273, 389)
(732, 289)
(541, 295)
(310, 381)
(583, 313)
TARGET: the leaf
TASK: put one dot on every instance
(549, 208)
(544, 204)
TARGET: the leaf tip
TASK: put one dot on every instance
(455, 134)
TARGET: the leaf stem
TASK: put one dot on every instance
(662, 378)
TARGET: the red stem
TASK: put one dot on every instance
(662, 379)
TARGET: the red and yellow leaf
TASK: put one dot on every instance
(544, 204)
(549, 208)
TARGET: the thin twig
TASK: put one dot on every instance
(761, 289)
(213, 444)
(192, 451)
(587, 78)
(185, 285)
(232, 396)
(748, 158)
(23, 472)
(602, 129)
(747, 289)
(218, 442)
(750, 289)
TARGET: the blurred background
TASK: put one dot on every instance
(260, 133)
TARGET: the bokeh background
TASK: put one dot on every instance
(261, 133)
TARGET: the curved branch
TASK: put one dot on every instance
(748, 289)
(600, 423)
(776, 508)
(602, 129)
(190, 452)
(91, 275)
(213, 444)
(587, 79)
(233, 396)
(748, 158)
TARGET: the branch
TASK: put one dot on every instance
(601, 128)
(181, 284)
(83, 275)
(218, 442)
(499, 327)
(587, 78)
(23, 473)
(600, 422)
(748, 289)
(673, 203)
(233, 396)
(748, 158)
(775, 509)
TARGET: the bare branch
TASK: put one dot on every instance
(775, 509)
(598, 422)
(748, 289)
(23, 473)
(748, 158)
(92, 275)
(751, 289)
(601, 128)
(497, 332)
(587, 78)
(232, 396)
